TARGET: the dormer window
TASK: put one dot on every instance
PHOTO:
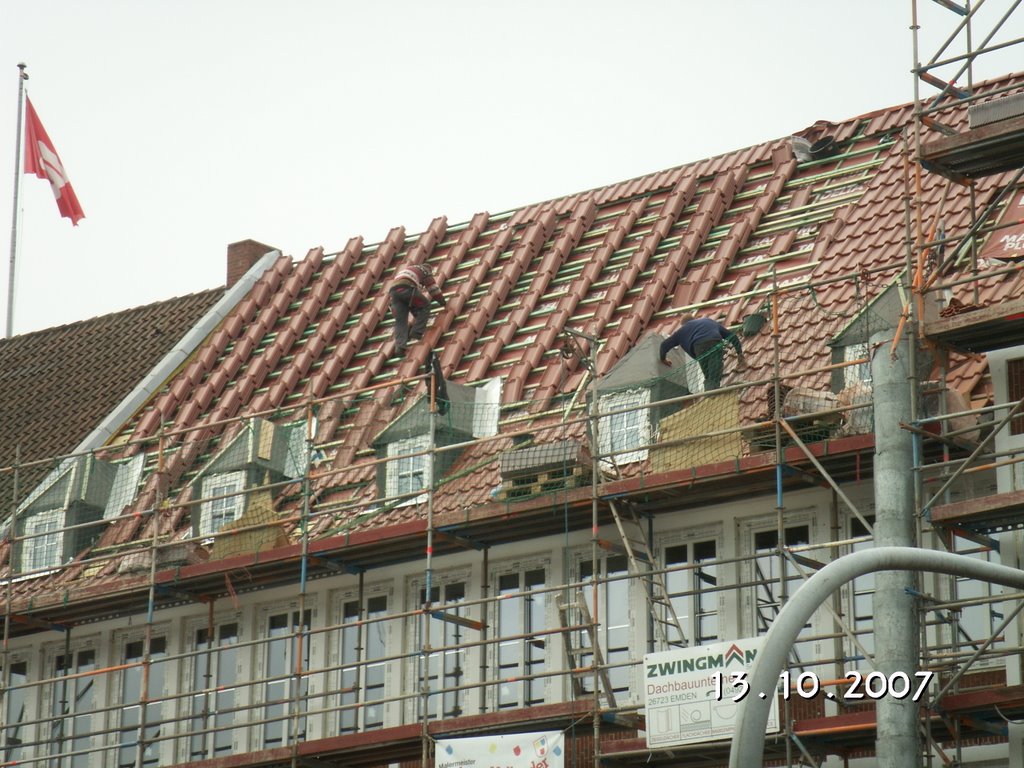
(261, 454)
(405, 466)
(630, 387)
(625, 435)
(43, 540)
(408, 473)
(861, 372)
(59, 519)
(226, 501)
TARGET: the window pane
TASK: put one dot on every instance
(693, 597)
(773, 575)
(518, 655)
(376, 670)
(214, 679)
(131, 711)
(282, 692)
(980, 621)
(42, 547)
(862, 596)
(17, 700)
(363, 675)
(625, 434)
(226, 496)
(614, 626)
(705, 579)
(407, 473)
(445, 670)
(73, 700)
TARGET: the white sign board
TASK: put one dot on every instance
(690, 694)
(513, 750)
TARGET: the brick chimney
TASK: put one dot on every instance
(242, 255)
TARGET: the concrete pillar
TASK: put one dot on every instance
(897, 638)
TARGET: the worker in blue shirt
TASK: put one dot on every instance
(703, 339)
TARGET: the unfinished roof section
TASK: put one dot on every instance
(614, 264)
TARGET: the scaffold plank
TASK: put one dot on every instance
(984, 514)
(980, 330)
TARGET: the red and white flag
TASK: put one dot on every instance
(42, 160)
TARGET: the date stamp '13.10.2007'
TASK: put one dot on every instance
(853, 686)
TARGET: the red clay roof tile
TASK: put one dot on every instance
(615, 262)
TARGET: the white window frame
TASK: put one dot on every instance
(691, 608)
(612, 597)
(861, 589)
(524, 666)
(97, 683)
(629, 431)
(853, 374)
(43, 545)
(977, 623)
(749, 529)
(21, 724)
(239, 690)
(229, 488)
(343, 669)
(402, 467)
(309, 700)
(442, 633)
(157, 711)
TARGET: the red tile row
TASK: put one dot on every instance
(576, 227)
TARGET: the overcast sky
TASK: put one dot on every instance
(187, 125)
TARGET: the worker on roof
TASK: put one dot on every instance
(409, 295)
(704, 340)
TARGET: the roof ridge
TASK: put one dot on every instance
(116, 313)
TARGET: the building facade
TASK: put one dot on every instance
(301, 548)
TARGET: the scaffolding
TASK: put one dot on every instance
(960, 306)
(381, 682)
(281, 638)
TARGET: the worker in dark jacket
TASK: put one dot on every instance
(704, 340)
(411, 292)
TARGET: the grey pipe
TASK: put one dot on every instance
(748, 741)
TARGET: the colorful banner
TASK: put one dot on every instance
(513, 750)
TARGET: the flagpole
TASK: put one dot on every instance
(22, 77)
